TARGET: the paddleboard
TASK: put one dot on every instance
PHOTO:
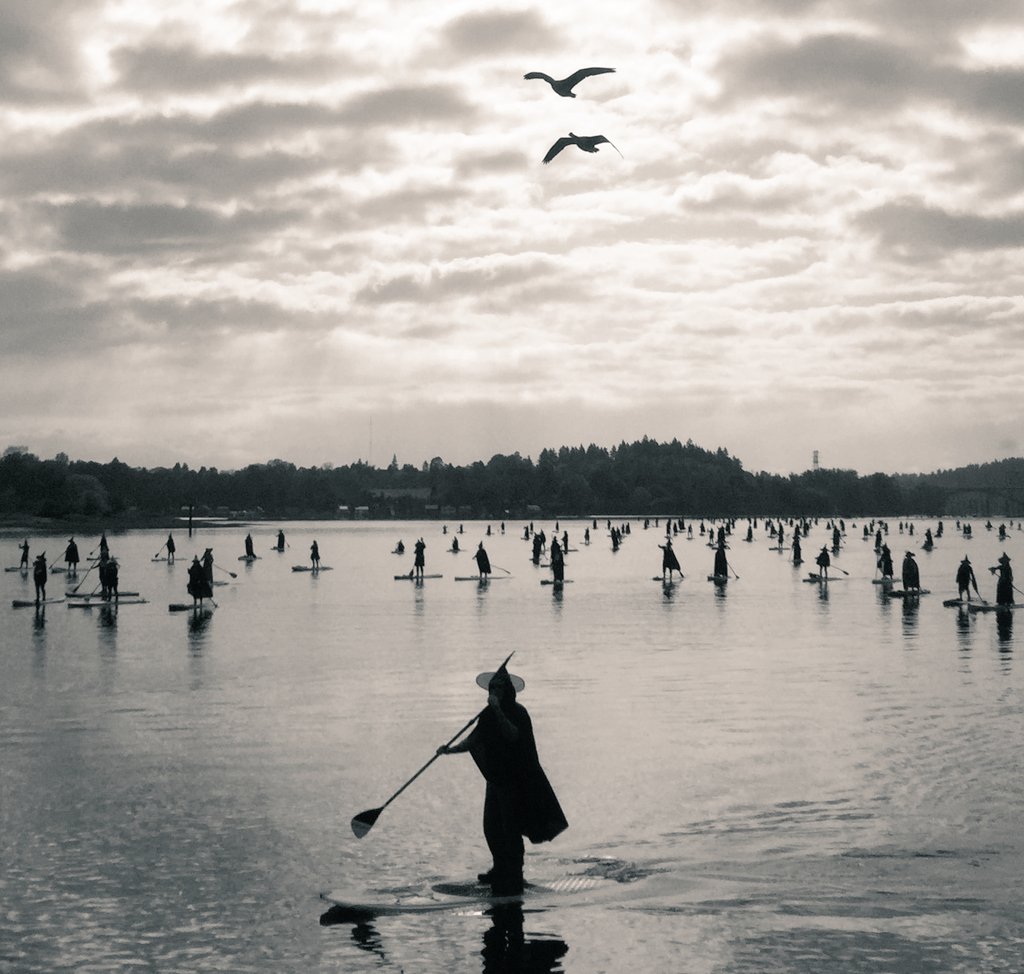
(992, 607)
(902, 593)
(476, 578)
(882, 581)
(25, 603)
(413, 578)
(57, 569)
(16, 569)
(249, 557)
(667, 581)
(962, 603)
(444, 897)
(813, 577)
(101, 603)
(552, 581)
(718, 579)
(97, 597)
(307, 568)
(187, 607)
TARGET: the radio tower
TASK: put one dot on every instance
(815, 460)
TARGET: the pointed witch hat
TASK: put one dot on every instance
(484, 679)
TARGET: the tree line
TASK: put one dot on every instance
(642, 478)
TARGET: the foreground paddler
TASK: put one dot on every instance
(518, 799)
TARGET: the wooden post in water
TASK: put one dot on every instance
(190, 506)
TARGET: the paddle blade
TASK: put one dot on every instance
(364, 821)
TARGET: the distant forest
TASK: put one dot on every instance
(641, 478)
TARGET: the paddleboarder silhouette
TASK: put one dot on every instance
(518, 801)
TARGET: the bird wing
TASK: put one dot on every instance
(601, 138)
(538, 74)
(557, 147)
(578, 76)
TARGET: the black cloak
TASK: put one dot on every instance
(515, 766)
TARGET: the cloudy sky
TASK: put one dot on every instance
(320, 230)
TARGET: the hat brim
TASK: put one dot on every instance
(484, 679)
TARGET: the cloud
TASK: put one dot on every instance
(40, 58)
(910, 227)
(148, 228)
(478, 34)
(183, 67)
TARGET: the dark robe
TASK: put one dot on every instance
(965, 578)
(557, 562)
(1004, 587)
(911, 573)
(669, 561)
(198, 585)
(483, 563)
(519, 797)
(721, 563)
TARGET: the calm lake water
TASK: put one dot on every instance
(784, 777)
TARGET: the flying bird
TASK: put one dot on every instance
(566, 85)
(588, 143)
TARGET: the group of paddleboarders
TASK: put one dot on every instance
(200, 577)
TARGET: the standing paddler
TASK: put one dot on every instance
(518, 799)
(669, 561)
(208, 568)
(170, 549)
(250, 551)
(823, 561)
(24, 555)
(911, 573)
(721, 562)
(1004, 587)
(419, 560)
(965, 581)
(557, 562)
(483, 562)
(314, 556)
(198, 587)
(39, 573)
(71, 557)
(885, 563)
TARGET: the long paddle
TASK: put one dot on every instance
(232, 574)
(74, 591)
(364, 821)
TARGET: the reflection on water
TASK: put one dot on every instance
(506, 946)
(810, 796)
(1004, 627)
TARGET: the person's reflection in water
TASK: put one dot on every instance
(506, 948)
(963, 630)
(198, 622)
(1004, 628)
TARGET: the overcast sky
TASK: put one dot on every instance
(320, 230)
